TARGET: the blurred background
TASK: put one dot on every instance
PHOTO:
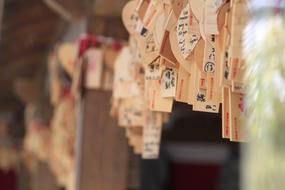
(193, 154)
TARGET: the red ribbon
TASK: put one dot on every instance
(90, 41)
(87, 42)
(277, 8)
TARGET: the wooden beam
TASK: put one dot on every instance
(22, 49)
(20, 9)
(103, 8)
(107, 26)
(13, 5)
(27, 59)
(21, 18)
(23, 67)
(59, 9)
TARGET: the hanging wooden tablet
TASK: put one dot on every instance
(197, 8)
(203, 81)
(140, 29)
(138, 110)
(153, 71)
(67, 54)
(107, 79)
(156, 101)
(238, 87)
(150, 51)
(210, 68)
(122, 76)
(142, 7)
(145, 42)
(201, 103)
(226, 113)
(130, 16)
(187, 32)
(168, 82)
(110, 56)
(150, 16)
(165, 49)
(211, 92)
(192, 83)
(209, 63)
(217, 86)
(127, 89)
(222, 12)
(131, 111)
(166, 7)
(197, 82)
(182, 85)
(94, 68)
(199, 55)
(177, 6)
(186, 63)
(136, 138)
(225, 60)
(237, 116)
(170, 21)
(201, 37)
(152, 135)
(210, 16)
(238, 83)
(234, 68)
(134, 49)
(159, 29)
(239, 20)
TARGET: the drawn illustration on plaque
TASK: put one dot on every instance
(201, 97)
(169, 78)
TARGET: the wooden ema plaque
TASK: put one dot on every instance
(187, 49)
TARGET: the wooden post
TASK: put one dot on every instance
(102, 146)
(43, 178)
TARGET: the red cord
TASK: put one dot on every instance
(278, 8)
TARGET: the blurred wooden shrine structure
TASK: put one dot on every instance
(29, 31)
